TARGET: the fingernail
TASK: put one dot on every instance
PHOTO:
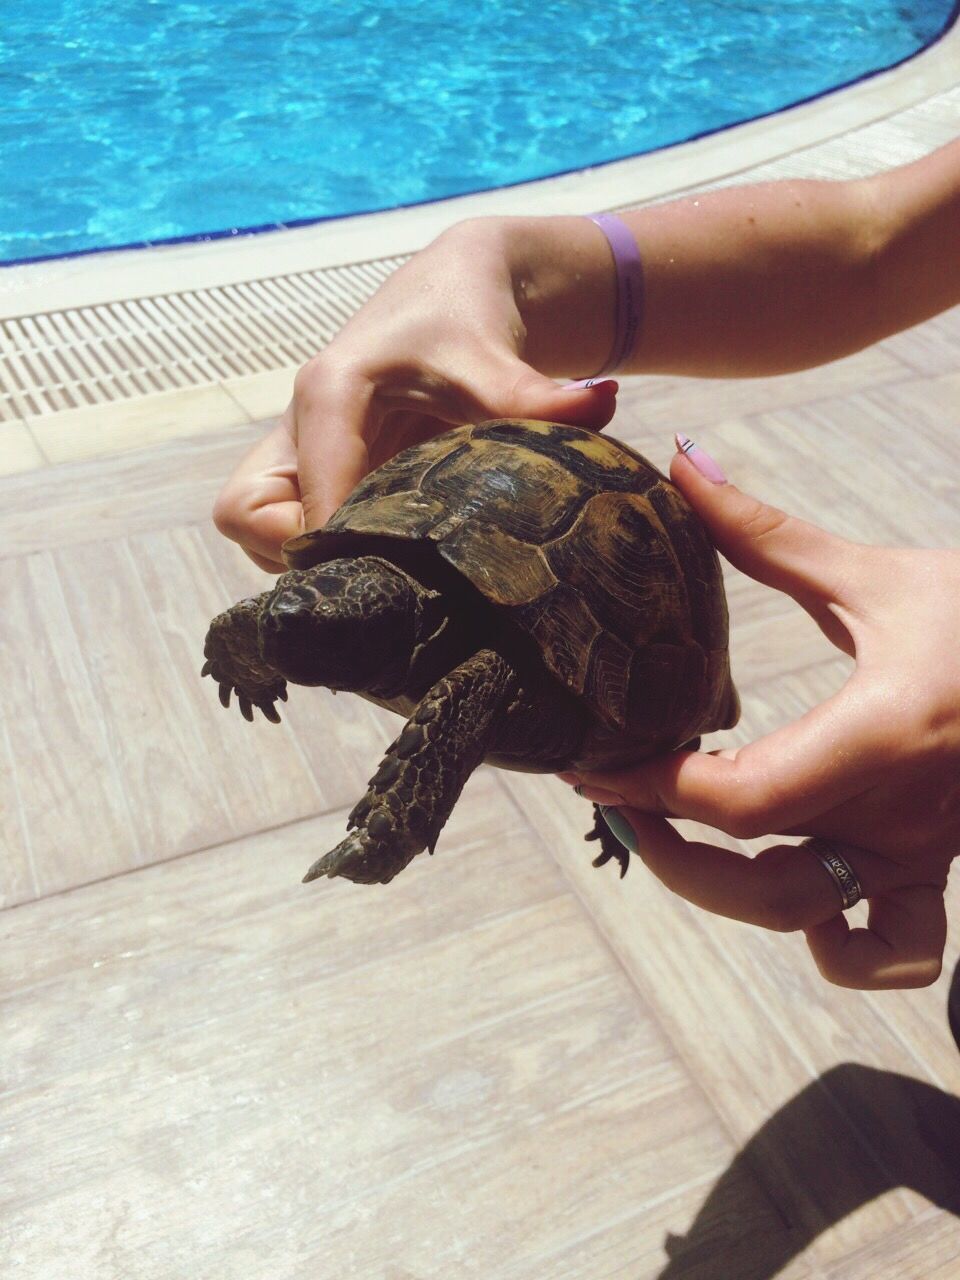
(620, 827)
(598, 795)
(584, 383)
(702, 461)
(571, 778)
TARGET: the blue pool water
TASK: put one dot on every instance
(126, 121)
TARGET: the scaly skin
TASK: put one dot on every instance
(421, 776)
(233, 659)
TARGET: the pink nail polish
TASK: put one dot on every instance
(701, 460)
(585, 383)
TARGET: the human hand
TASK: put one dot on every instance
(464, 331)
(875, 768)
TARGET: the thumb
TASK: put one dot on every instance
(779, 550)
(518, 391)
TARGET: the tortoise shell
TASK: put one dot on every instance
(584, 545)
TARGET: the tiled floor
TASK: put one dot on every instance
(505, 1064)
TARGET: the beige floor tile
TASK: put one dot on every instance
(262, 395)
(929, 348)
(207, 1064)
(651, 409)
(926, 1250)
(17, 880)
(149, 714)
(793, 1065)
(18, 449)
(76, 822)
(132, 424)
(705, 1233)
(160, 487)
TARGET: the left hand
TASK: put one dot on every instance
(876, 767)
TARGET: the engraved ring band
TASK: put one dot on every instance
(841, 872)
(833, 861)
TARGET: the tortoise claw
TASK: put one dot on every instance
(353, 860)
(247, 704)
(245, 701)
(345, 859)
(610, 846)
(622, 856)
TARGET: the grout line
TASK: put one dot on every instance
(281, 904)
(107, 738)
(21, 814)
(223, 386)
(47, 460)
(291, 737)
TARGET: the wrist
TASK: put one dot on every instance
(563, 283)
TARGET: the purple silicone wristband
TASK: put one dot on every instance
(626, 258)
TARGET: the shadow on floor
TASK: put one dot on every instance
(849, 1137)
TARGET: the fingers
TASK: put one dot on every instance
(342, 415)
(780, 782)
(337, 416)
(901, 947)
(259, 506)
(518, 391)
(806, 562)
(784, 888)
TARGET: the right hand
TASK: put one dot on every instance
(439, 344)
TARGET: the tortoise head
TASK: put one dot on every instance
(347, 624)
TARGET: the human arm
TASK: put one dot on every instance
(761, 278)
(746, 280)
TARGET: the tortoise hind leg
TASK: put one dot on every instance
(421, 776)
(610, 846)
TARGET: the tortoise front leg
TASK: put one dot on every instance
(420, 778)
(233, 659)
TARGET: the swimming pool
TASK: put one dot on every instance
(139, 121)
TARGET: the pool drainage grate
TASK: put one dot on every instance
(84, 356)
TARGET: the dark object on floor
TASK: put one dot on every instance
(533, 595)
(953, 1004)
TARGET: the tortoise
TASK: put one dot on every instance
(526, 593)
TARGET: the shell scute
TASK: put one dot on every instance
(597, 461)
(607, 681)
(619, 558)
(407, 514)
(564, 631)
(529, 496)
(702, 575)
(661, 676)
(506, 570)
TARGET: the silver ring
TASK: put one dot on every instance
(578, 789)
(841, 872)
